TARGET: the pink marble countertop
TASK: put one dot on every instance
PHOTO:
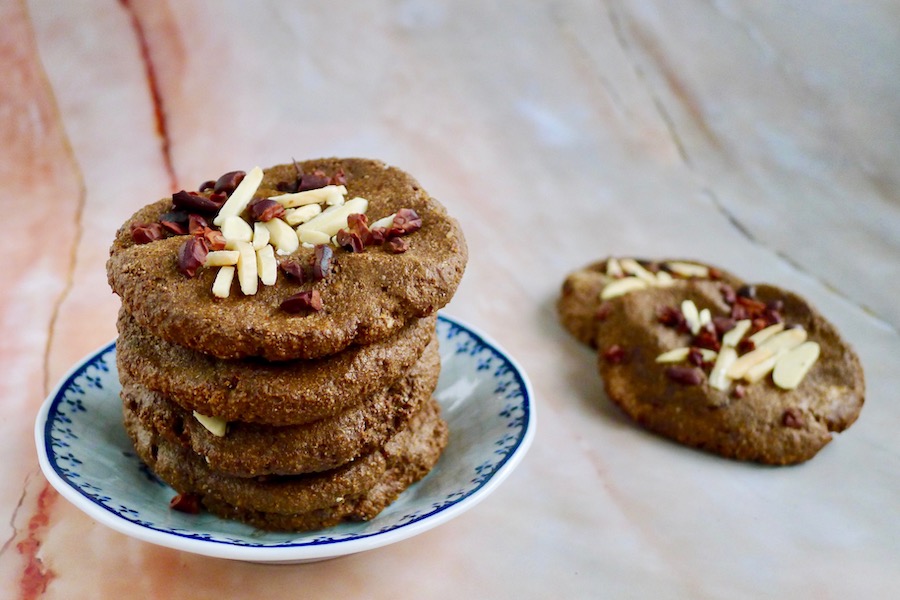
(758, 136)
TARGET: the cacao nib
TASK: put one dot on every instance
(746, 345)
(671, 317)
(304, 301)
(723, 325)
(197, 223)
(614, 355)
(206, 185)
(264, 209)
(358, 223)
(715, 274)
(405, 221)
(194, 203)
(229, 181)
(175, 221)
(349, 241)
(695, 357)
(192, 255)
(294, 270)
(398, 245)
(728, 294)
(313, 181)
(186, 503)
(740, 390)
(215, 239)
(792, 418)
(339, 177)
(144, 233)
(376, 236)
(707, 338)
(685, 375)
(747, 291)
(322, 262)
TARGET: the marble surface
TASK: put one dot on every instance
(759, 136)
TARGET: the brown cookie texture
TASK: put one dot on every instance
(250, 450)
(367, 296)
(357, 491)
(256, 391)
(757, 421)
(581, 309)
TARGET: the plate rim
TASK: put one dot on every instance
(287, 552)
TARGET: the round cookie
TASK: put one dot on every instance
(358, 491)
(581, 307)
(250, 450)
(757, 421)
(255, 391)
(367, 296)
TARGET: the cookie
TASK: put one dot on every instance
(250, 450)
(585, 298)
(362, 297)
(256, 391)
(357, 491)
(756, 414)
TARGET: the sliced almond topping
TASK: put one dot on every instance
(621, 287)
(266, 265)
(334, 218)
(215, 425)
(282, 236)
(316, 196)
(718, 377)
(222, 285)
(688, 269)
(786, 340)
(236, 229)
(221, 258)
(793, 365)
(674, 355)
(734, 336)
(312, 238)
(246, 269)
(663, 279)
(240, 197)
(691, 316)
(760, 369)
(633, 267)
(384, 223)
(260, 235)
(708, 355)
(614, 269)
(336, 198)
(743, 364)
(705, 317)
(763, 334)
(769, 349)
(302, 214)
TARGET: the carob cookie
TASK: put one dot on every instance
(250, 450)
(325, 272)
(756, 375)
(357, 491)
(588, 293)
(253, 390)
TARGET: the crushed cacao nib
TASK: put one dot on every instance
(228, 182)
(715, 274)
(195, 203)
(746, 345)
(747, 291)
(376, 236)
(707, 338)
(405, 221)
(322, 262)
(175, 221)
(294, 270)
(264, 209)
(358, 223)
(350, 241)
(792, 418)
(339, 177)
(186, 503)
(312, 181)
(723, 325)
(303, 301)
(685, 375)
(728, 294)
(192, 255)
(215, 239)
(671, 317)
(614, 355)
(695, 357)
(739, 391)
(144, 233)
(206, 185)
(398, 245)
(197, 223)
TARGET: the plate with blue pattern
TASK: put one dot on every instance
(86, 455)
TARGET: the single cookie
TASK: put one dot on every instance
(734, 409)
(255, 391)
(585, 299)
(366, 296)
(250, 450)
(357, 491)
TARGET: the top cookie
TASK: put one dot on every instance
(587, 292)
(363, 294)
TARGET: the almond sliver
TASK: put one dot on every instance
(316, 196)
(215, 425)
(620, 287)
(734, 335)
(246, 269)
(334, 218)
(221, 258)
(613, 268)
(282, 236)
(793, 365)
(236, 229)
(674, 355)
(266, 265)
(260, 235)
(718, 377)
(241, 196)
(691, 316)
(689, 269)
(763, 334)
(302, 214)
(633, 267)
(222, 284)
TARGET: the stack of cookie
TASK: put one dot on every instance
(691, 352)
(277, 346)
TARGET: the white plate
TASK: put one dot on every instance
(87, 456)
